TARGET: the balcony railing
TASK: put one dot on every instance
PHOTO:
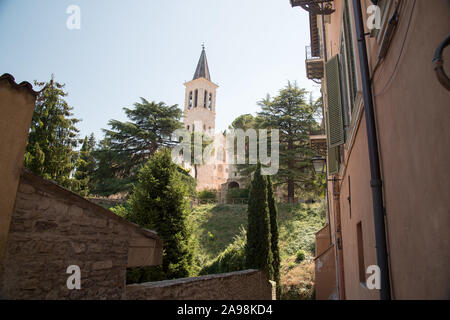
(314, 65)
(309, 54)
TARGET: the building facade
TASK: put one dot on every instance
(386, 100)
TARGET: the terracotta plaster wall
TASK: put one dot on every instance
(412, 114)
(16, 107)
(414, 134)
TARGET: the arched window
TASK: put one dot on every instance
(205, 99)
(190, 100)
(196, 98)
(188, 127)
(210, 102)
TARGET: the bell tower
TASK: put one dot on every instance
(200, 100)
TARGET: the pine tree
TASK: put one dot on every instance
(85, 165)
(52, 139)
(295, 118)
(160, 202)
(273, 212)
(128, 145)
(259, 253)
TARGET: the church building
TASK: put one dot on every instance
(200, 117)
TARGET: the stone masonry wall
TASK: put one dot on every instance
(241, 285)
(51, 229)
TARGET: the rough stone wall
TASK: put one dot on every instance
(51, 229)
(241, 285)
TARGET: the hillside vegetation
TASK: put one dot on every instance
(220, 234)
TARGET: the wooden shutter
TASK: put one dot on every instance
(335, 116)
(332, 163)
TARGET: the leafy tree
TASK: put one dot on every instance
(273, 212)
(295, 119)
(128, 145)
(52, 139)
(259, 253)
(160, 202)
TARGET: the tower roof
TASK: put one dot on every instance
(202, 70)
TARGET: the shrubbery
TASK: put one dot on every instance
(300, 256)
(237, 193)
(207, 195)
(231, 259)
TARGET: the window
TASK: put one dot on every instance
(188, 127)
(190, 100)
(210, 102)
(361, 264)
(204, 127)
(205, 98)
(196, 98)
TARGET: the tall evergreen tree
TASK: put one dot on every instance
(273, 212)
(128, 145)
(295, 118)
(259, 253)
(52, 139)
(160, 202)
(85, 165)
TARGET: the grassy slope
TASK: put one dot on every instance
(215, 226)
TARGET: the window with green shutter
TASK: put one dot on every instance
(335, 120)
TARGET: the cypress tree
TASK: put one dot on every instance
(259, 254)
(273, 212)
(160, 202)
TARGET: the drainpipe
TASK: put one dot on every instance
(338, 238)
(375, 171)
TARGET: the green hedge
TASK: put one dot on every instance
(207, 195)
(237, 193)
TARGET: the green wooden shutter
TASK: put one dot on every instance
(335, 117)
(332, 163)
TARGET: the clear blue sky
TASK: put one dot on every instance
(149, 48)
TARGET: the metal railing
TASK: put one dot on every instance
(309, 55)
